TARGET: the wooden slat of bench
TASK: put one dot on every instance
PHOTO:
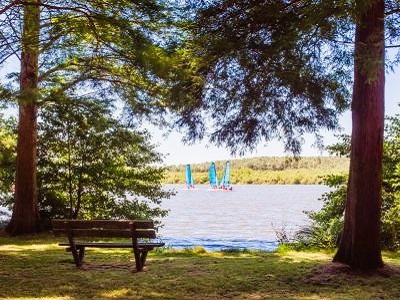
(126, 233)
(113, 245)
(103, 224)
(99, 245)
(95, 233)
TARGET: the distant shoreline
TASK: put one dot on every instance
(266, 170)
(244, 184)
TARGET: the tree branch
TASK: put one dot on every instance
(16, 34)
(10, 5)
(44, 75)
(393, 11)
(393, 46)
(3, 59)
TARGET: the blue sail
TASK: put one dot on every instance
(225, 181)
(189, 178)
(212, 175)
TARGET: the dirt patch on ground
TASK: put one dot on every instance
(107, 267)
(331, 272)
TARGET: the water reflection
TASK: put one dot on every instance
(247, 217)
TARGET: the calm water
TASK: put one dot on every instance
(247, 217)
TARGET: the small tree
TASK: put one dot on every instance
(92, 166)
(8, 142)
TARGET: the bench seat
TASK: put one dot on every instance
(140, 233)
(113, 245)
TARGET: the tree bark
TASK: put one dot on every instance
(360, 243)
(25, 217)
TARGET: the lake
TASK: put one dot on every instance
(247, 217)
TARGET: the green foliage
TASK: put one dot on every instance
(112, 50)
(92, 166)
(327, 224)
(342, 148)
(8, 143)
(391, 184)
(117, 50)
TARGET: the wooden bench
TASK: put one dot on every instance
(139, 231)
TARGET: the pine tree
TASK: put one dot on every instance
(280, 69)
(360, 242)
(75, 47)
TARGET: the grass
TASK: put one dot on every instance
(39, 269)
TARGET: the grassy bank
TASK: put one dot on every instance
(266, 170)
(33, 269)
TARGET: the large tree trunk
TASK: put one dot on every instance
(360, 243)
(25, 217)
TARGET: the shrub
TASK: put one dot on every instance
(327, 224)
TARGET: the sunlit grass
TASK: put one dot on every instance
(39, 247)
(39, 269)
(47, 297)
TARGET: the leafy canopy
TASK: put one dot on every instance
(263, 70)
(110, 49)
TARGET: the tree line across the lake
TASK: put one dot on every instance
(237, 72)
(266, 170)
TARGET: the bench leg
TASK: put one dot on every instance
(74, 250)
(78, 252)
(76, 255)
(140, 259)
(81, 254)
(143, 258)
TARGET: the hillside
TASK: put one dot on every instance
(266, 170)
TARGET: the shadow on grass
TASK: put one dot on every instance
(43, 270)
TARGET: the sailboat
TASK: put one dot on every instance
(224, 184)
(225, 180)
(189, 178)
(212, 175)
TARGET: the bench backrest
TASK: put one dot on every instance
(104, 228)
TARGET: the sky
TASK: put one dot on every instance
(178, 153)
